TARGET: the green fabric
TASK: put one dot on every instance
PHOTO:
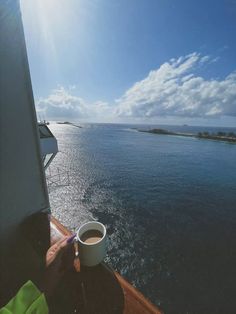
(28, 300)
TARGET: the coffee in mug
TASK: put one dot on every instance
(91, 238)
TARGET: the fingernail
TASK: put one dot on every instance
(71, 238)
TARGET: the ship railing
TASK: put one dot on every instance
(57, 178)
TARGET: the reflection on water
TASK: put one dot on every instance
(169, 206)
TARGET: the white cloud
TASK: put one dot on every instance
(61, 104)
(175, 90)
(101, 108)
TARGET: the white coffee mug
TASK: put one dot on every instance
(91, 254)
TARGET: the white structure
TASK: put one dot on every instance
(48, 144)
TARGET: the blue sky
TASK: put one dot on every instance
(133, 61)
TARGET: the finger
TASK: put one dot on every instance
(60, 244)
(54, 250)
(71, 238)
(64, 242)
(57, 245)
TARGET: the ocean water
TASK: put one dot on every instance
(169, 204)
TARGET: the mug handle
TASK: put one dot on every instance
(76, 246)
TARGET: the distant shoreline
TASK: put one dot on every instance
(220, 136)
(66, 122)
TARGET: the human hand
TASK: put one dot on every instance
(60, 254)
(59, 259)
